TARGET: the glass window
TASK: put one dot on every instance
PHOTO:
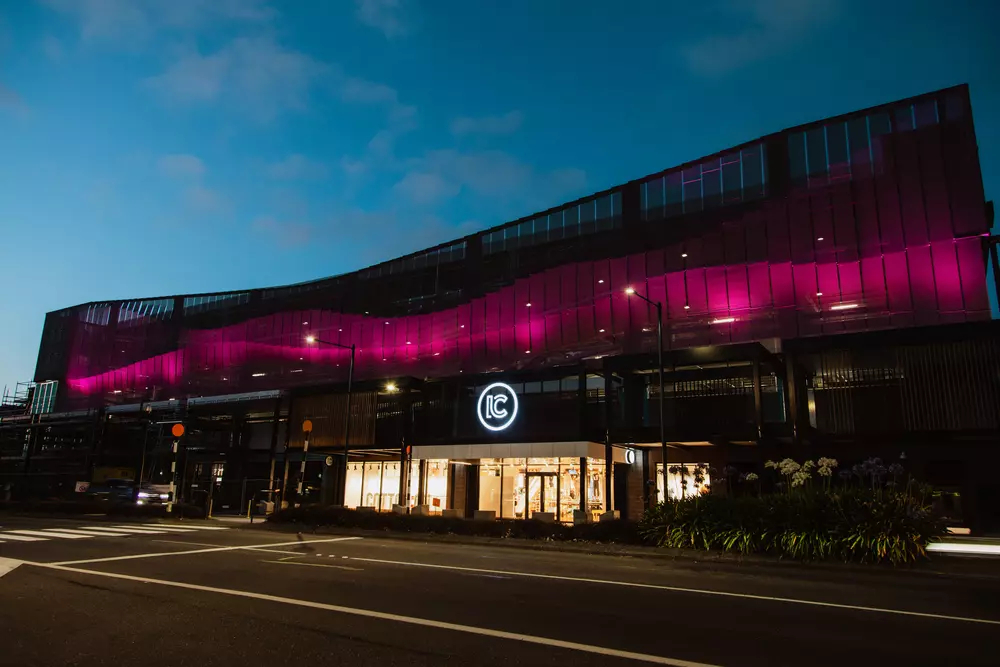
(604, 219)
(550, 387)
(436, 484)
(571, 221)
(857, 139)
(595, 488)
(525, 232)
(902, 117)
(352, 494)
(925, 113)
(711, 183)
(570, 384)
(673, 194)
(541, 229)
(371, 487)
(796, 158)
(616, 207)
(684, 480)
(588, 224)
(732, 179)
(692, 189)
(816, 164)
(513, 490)
(836, 144)
(510, 238)
(556, 226)
(390, 486)
(490, 482)
(654, 199)
(532, 387)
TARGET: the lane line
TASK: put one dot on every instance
(206, 544)
(249, 547)
(46, 533)
(681, 589)
(22, 538)
(8, 565)
(336, 567)
(398, 618)
(130, 531)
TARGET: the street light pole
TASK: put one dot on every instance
(659, 350)
(341, 489)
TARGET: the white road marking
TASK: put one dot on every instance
(398, 618)
(22, 538)
(336, 567)
(187, 527)
(159, 529)
(206, 544)
(89, 533)
(47, 533)
(8, 565)
(125, 531)
(680, 589)
(247, 547)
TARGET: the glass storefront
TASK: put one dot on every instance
(551, 485)
(684, 480)
(514, 488)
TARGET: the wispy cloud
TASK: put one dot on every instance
(137, 20)
(384, 15)
(508, 123)
(286, 233)
(181, 165)
(297, 167)
(52, 48)
(256, 74)
(442, 174)
(206, 200)
(10, 100)
(768, 27)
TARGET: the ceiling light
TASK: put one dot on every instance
(527, 305)
(600, 331)
(820, 238)
(687, 307)
(409, 343)
(527, 351)
(684, 255)
(310, 339)
(724, 320)
(819, 294)
(844, 306)
(630, 290)
(390, 387)
(601, 281)
(256, 375)
(305, 323)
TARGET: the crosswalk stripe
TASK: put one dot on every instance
(22, 538)
(163, 528)
(125, 531)
(48, 533)
(91, 533)
(188, 527)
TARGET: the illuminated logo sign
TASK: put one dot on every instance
(630, 456)
(497, 407)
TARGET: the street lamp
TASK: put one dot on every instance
(341, 489)
(630, 291)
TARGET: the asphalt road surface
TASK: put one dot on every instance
(92, 592)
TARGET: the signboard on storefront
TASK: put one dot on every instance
(497, 406)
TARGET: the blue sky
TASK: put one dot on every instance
(154, 147)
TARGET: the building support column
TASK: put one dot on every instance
(758, 410)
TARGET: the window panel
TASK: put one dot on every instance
(836, 144)
(711, 183)
(673, 194)
(692, 189)
(857, 138)
(816, 164)
(604, 213)
(556, 226)
(654, 195)
(796, 159)
(571, 221)
(925, 113)
(732, 179)
(588, 220)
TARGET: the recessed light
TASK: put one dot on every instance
(724, 320)
(527, 305)
(819, 238)
(819, 294)
(687, 307)
(684, 254)
(527, 351)
(462, 326)
(305, 323)
(600, 331)
(408, 343)
(601, 281)
(437, 354)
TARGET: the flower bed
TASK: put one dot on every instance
(868, 517)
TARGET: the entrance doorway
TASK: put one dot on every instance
(543, 493)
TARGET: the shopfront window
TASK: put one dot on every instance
(436, 485)
(390, 486)
(352, 494)
(413, 484)
(513, 491)
(596, 475)
(684, 480)
(373, 484)
(490, 483)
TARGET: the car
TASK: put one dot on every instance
(124, 491)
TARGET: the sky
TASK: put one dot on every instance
(156, 147)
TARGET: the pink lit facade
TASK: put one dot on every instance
(874, 220)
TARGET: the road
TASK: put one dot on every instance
(198, 593)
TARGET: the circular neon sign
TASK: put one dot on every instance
(497, 407)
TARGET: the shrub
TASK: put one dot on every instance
(851, 525)
(621, 532)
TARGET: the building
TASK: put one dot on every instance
(823, 293)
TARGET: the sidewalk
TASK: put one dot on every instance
(945, 566)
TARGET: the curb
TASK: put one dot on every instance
(941, 567)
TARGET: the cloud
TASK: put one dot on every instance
(297, 167)
(206, 200)
(256, 74)
(508, 123)
(769, 27)
(9, 99)
(287, 233)
(355, 89)
(426, 188)
(52, 48)
(181, 166)
(137, 20)
(385, 234)
(493, 174)
(384, 15)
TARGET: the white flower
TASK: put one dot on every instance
(827, 463)
(771, 464)
(789, 467)
(751, 477)
(799, 478)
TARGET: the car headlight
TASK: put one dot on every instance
(164, 496)
(143, 494)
